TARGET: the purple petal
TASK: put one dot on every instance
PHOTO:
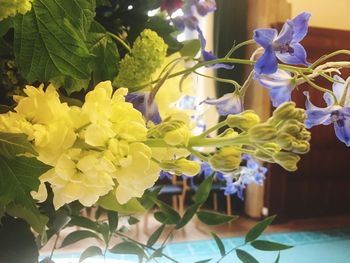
(265, 36)
(201, 37)
(205, 7)
(297, 57)
(286, 35)
(179, 23)
(315, 115)
(280, 95)
(207, 56)
(342, 130)
(300, 26)
(230, 103)
(191, 22)
(267, 63)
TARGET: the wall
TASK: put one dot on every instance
(325, 13)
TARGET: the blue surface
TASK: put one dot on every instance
(324, 246)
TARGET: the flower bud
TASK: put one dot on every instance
(269, 147)
(285, 111)
(173, 132)
(301, 147)
(262, 133)
(244, 120)
(181, 166)
(285, 140)
(227, 159)
(287, 160)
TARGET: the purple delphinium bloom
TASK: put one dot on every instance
(336, 113)
(280, 85)
(284, 46)
(253, 172)
(208, 55)
(149, 109)
(189, 19)
(230, 103)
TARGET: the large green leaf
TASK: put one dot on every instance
(203, 190)
(245, 257)
(155, 236)
(50, 40)
(220, 244)
(90, 252)
(266, 245)
(77, 236)
(105, 63)
(258, 229)
(12, 144)
(212, 218)
(128, 248)
(110, 202)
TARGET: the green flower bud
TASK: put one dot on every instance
(269, 147)
(292, 127)
(285, 111)
(181, 166)
(285, 140)
(287, 160)
(173, 132)
(226, 159)
(301, 147)
(262, 133)
(244, 120)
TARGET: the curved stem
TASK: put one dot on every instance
(235, 47)
(121, 41)
(213, 128)
(324, 58)
(230, 81)
(198, 154)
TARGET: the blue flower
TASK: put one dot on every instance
(285, 46)
(230, 103)
(141, 101)
(252, 172)
(336, 113)
(208, 55)
(280, 85)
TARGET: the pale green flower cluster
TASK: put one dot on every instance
(146, 56)
(12, 7)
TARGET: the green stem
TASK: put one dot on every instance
(229, 252)
(312, 84)
(121, 41)
(198, 154)
(230, 81)
(326, 57)
(246, 84)
(212, 129)
(235, 47)
(219, 142)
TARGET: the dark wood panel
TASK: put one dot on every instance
(321, 186)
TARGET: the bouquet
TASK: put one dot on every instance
(97, 105)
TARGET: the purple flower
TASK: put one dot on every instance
(280, 85)
(142, 103)
(284, 46)
(253, 172)
(165, 175)
(205, 6)
(230, 103)
(208, 55)
(337, 113)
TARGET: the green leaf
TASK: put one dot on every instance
(111, 203)
(160, 217)
(189, 213)
(17, 242)
(266, 245)
(36, 221)
(50, 40)
(258, 229)
(5, 25)
(70, 84)
(212, 218)
(147, 200)
(155, 236)
(77, 236)
(219, 244)
(203, 261)
(245, 257)
(133, 220)
(128, 248)
(18, 177)
(90, 252)
(112, 220)
(105, 63)
(58, 219)
(203, 190)
(84, 222)
(12, 144)
(103, 229)
(172, 216)
(190, 48)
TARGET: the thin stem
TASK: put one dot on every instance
(236, 47)
(325, 57)
(230, 81)
(121, 41)
(54, 245)
(229, 252)
(345, 92)
(219, 142)
(146, 246)
(318, 87)
(198, 154)
(246, 84)
(212, 129)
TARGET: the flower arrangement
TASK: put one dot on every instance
(89, 117)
